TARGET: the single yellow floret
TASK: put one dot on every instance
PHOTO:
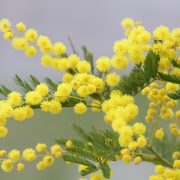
(14, 155)
(42, 89)
(112, 79)
(31, 35)
(59, 48)
(29, 154)
(56, 151)
(41, 147)
(5, 25)
(80, 108)
(127, 23)
(14, 98)
(7, 165)
(103, 64)
(21, 27)
(33, 98)
(83, 67)
(139, 128)
(20, 167)
(3, 131)
(159, 134)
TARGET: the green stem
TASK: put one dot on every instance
(159, 157)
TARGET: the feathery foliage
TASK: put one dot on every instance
(140, 76)
(95, 149)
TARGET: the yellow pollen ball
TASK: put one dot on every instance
(80, 108)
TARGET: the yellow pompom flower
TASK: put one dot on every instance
(6, 110)
(19, 43)
(33, 98)
(176, 155)
(127, 23)
(161, 33)
(21, 27)
(126, 135)
(119, 62)
(83, 67)
(46, 60)
(41, 165)
(42, 89)
(7, 165)
(121, 46)
(139, 129)
(112, 79)
(29, 154)
(30, 51)
(63, 64)
(175, 34)
(8, 35)
(136, 54)
(31, 35)
(159, 134)
(103, 64)
(20, 167)
(67, 78)
(159, 169)
(41, 147)
(118, 123)
(142, 141)
(69, 144)
(44, 44)
(56, 151)
(59, 48)
(3, 131)
(48, 160)
(127, 158)
(63, 91)
(14, 98)
(137, 160)
(80, 108)
(5, 25)
(176, 164)
(132, 111)
(74, 60)
(52, 106)
(3, 153)
(14, 155)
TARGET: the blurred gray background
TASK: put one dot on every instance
(95, 23)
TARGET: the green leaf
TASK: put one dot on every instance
(168, 78)
(52, 85)
(175, 95)
(34, 81)
(72, 45)
(140, 76)
(78, 160)
(88, 56)
(26, 87)
(88, 170)
(4, 90)
(105, 170)
(175, 63)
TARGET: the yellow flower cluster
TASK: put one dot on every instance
(97, 90)
(120, 110)
(160, 106)
(165, 173)
(16, 158)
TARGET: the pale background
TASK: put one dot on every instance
(95, 23)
